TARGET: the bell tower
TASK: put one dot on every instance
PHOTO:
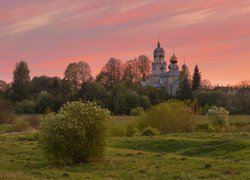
(159, 64)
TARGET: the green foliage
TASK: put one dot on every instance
(6, 112)
(184, 90)
(219, 116)
(132, 130)
(44, 101)
(20, 125)
(125, 101)
(204, 109)
(25, 107)
(77, 133)
(136, 111)
(94, 91)
(21, 81)
(149, 131)
(214, 97)
(144, 102)
(169, 117)
(196, 84)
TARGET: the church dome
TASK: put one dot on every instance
(173, 59)
(159, 49)
(170, 66)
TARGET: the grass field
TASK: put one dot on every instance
(174, 156)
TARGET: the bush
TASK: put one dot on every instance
(21, 125)
(219, 116)
(132, 130)
(149, 131)
(77, 133)
(25, 107)
(204, 109)
(6, 112)
(136, 111)
(169, 117)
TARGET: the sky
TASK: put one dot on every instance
(50, 34)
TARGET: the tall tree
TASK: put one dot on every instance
(21, 81)
(78, 73)
(196, 84)
(3, 85)
(243, 96)
(131, 73)
(111, 73)
(144, 67)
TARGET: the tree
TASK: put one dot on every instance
(125, 101)
(206, 84)
(3, 85)
(131, 73)
(94, 91)
(111, 73)
(144, 67)
(184, 91)
(196, 84)
(78, 73)
(44, 102)
(21, 81)
(243, 96)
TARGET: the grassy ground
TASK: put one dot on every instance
(174, 156)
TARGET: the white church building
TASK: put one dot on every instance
(164, 75)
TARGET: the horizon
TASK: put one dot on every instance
(49, 35)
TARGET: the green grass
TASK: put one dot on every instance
(173, 156)
(196, 155)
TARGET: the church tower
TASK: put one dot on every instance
(159, 64)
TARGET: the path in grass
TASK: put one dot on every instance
(175, 156)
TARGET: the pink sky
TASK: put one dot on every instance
(215, 34)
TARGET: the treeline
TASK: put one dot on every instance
(117, 87)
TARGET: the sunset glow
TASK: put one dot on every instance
(51, 34)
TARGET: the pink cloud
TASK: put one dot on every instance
(51, 34)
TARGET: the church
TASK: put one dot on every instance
(164, 75)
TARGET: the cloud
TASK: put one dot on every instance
(25, 25)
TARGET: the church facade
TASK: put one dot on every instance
(163, 74)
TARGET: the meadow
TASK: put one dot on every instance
(194, 155)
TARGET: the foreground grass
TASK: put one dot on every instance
(174, 156)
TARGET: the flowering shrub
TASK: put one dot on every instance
(77, 133)
(169, 117)
(219, 116)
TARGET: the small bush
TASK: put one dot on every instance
(25, 107)
(169, 117)
(132, 130)
(136, 111)
(218, 116)
(19, 126)
(149, 131)
(204, 109)
(77, 133)
(6, 112)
